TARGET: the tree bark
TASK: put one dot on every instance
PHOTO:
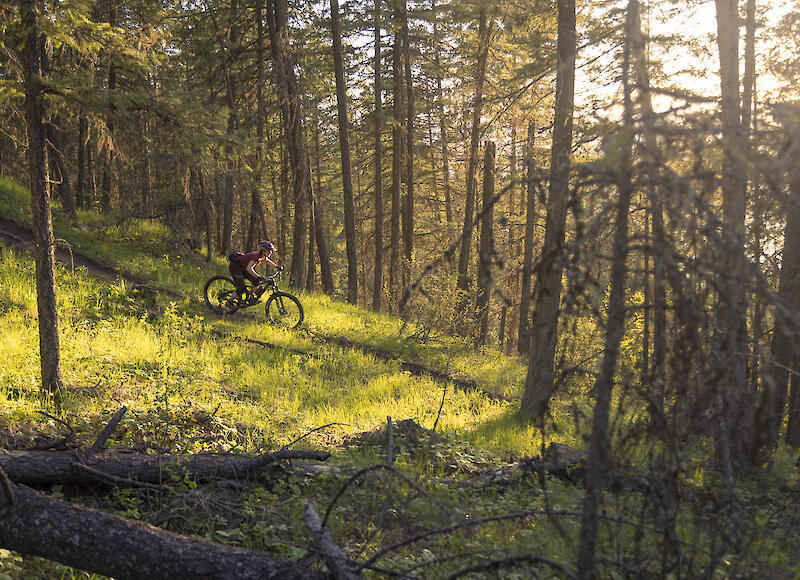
(486, 249)
(469, 204)
(397, 155)
(408, 206)
(45, 468)
(377, 284)
(737, 398)
(344, 146)
(289, 98)
(437, 61)
(539, 383)
(523, 336)
(49, 347)
(83, 141)
(110, 545)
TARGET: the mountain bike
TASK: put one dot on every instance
(282, 309)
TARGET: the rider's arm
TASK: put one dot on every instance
(271, 263)
(251, 268)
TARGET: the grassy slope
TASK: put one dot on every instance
(189, 390)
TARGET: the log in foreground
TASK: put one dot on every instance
(44, 468)
(100, 542)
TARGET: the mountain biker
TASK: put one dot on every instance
(243, 266)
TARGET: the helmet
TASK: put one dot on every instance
(267, 245)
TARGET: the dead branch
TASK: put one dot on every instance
(101, 440)
(335, 559)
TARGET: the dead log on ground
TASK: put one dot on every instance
(45, 468)
(416, 369)
(103, 543)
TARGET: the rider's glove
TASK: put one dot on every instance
(279, 268)
(261, 280)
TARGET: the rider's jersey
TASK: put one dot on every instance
(241, 262)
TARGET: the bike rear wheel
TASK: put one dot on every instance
(284, 310)
(221, 296)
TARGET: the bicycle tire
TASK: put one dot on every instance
(284, 310)
(219, 294)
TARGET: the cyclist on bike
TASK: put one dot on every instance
(243, 266)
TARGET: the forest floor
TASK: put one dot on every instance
(474, 489)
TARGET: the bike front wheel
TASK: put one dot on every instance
(284, 310)
(221, 296)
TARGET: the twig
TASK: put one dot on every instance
(71, 257)
(389, 442)
(358, 475)
(314, 430)
(107, 477)
(441, 406)
(104, 436)
(7, 487)
(335, 559)
(67, 438)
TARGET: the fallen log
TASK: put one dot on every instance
(44, 468)
(96, 541)
(415, 369)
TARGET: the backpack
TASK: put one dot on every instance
(233, 256)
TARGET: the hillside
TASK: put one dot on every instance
(136, 334)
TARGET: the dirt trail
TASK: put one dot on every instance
(21, 237)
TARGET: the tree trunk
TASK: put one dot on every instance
(256, 207)
(469, 206)
(408, 206)
(397, 156)
(732, 296)
(110, 545)
(377, 284)
(289, 98)
(598, 462)
(108, 155)
(523, 336)
(486, 253)
(83, 141)
(448, 202)
(344, 146)
(49, 349)
(787, 330)
(539, 383)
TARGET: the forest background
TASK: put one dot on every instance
(598, 199)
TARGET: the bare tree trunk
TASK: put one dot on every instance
(289, 98)
(539, 383)
(108, 155)
(344, 146)
(448, 202)
(49, 348)
(256, 207)
(523, 336)
(83, 141)
(598, 460)
(408, 206)
(377, 284)
(469, 205)
(397, 156)
(486, 253)
(732, 297)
